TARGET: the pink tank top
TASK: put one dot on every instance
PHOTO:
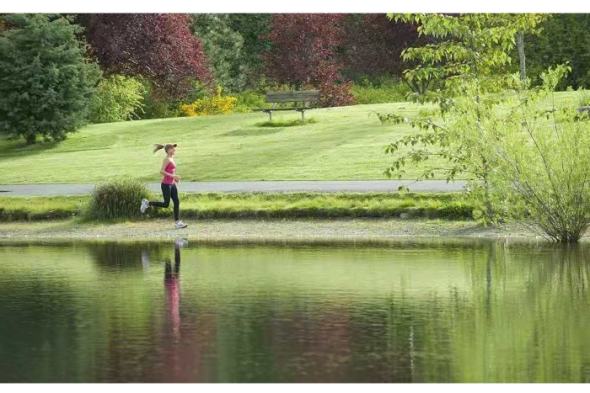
(170, 168)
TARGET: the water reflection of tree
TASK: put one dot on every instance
(57, 352)
(312, 345)
(522, 318)
(526, 318)
(41, 305)
(112, 257)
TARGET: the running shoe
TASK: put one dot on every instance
(180, 225)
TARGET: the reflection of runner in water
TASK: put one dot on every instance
(171, 285)
(172, 367)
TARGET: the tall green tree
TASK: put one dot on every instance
(253, 29)
(224, 48)
(233, 44)
(46, 83)
(563, 39)
(466, 47)
(468, 60)
(525, 24)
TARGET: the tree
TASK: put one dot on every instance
(467, 47)
(223, 47)
(521, 55)
(159, 47)
(563, 38)
(526, 23)
(46, 84)
(233, 45)
(373, 44)
(469, 61)
(303, 53)
(253, 29)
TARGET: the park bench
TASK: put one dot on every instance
(280, 97)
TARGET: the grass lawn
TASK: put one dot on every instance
(260, 206)
(345, 143)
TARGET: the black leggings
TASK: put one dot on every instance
(168, 265)
(169, 191)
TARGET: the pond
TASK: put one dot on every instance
(405, 311)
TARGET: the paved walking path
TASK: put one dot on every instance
(249, 186)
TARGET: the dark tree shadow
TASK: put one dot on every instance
(17, 148)
(253, 132)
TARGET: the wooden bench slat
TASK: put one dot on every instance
(294, 93)
(292, 96)
(282, 109)
(284, 98)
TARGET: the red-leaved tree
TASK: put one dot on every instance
(373, 44)
(304, 54)
(159, 47)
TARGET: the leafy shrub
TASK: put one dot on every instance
(372, 92)
(583, 98)
(249, 100)
(544, 161)
(334, 93)
(210, 105)
(116, 199)
(117, 99)
(389, 117)
(155, 105)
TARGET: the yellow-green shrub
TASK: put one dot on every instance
(210, 105)
(117, 98)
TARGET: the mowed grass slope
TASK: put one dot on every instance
(345, 143)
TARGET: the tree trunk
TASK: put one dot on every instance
(520, 43)
(31, 139)
(487, 200)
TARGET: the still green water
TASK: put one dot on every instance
(400, 312)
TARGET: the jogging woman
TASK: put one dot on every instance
(169, 190)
